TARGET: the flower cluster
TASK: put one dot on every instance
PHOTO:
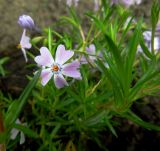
(63, 64)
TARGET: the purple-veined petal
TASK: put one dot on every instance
(45, 59)
(63, 55)
(46, 75)
(72, 69)
(59, 81)
(26, 22)
(25, 41)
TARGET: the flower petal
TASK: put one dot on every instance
(63, 55)
(14, 133)
(22, 138)
(45, 59)
(156, 43)
(91, 49)
(24, 54)
(59, 81)
(26, 21)
(46, 75)
(71, 69)
(25, 41)
(83, 60)
(147, 35)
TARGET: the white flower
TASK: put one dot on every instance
(15, 132)
(24, 44)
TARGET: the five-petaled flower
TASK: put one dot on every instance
(24, 44)
(57, 68)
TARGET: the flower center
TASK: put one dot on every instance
(55, 68)
(19, 46)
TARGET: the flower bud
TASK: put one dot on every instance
(26, 22)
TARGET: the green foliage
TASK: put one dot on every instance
(66, 118)
(2, 62)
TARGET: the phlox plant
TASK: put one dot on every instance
(82, 79)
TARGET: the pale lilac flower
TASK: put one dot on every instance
(26, 22)
(91, 51)
(158, 28)
(76, 3)
(69, 2)
(157, 43)
(131, 2)
(57, 68)
(127, 3)
(96, 5)
(72, 2)
(147, 35)
(24, 44)
(15, 132)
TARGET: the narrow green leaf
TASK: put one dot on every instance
(26, 130)
(115, 51)
(98, 23)
(17, 106)
(145, 49)
(130, 57)
(151, 73)
(70, 20)
(112, 128)
(95, 119)
(133, 117)
(36, 40)
(50, 39)
(55, 130)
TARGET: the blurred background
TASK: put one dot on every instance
(45, 13)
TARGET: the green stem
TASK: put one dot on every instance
(152, 40)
